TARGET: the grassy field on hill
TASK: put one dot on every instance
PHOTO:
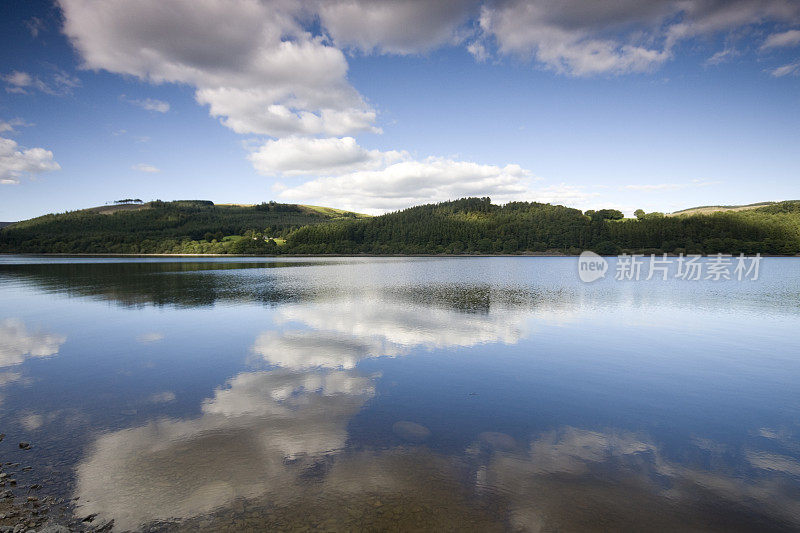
(708, 209)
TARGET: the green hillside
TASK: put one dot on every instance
(475, 225)
(183, 226)
(469, 225)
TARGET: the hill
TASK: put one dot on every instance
(182, 226)
(708, 209)
(475, 225)
(469, 225)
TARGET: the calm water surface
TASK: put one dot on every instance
(402, 393)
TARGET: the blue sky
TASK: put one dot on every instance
(376, 106)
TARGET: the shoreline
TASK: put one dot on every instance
(531, 254)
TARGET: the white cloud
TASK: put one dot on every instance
(35, 25)
(144, 167)
(17, 343)
(16, 163)
(478, 51)
(251, 62)
(394, 26)
(572, 37)
(778, 40)
(411, 182)
(8, 126)
(302, 155)
(22, 82)
(373, 181)
(150, 104)
(18, 81)
(722, 56)
(791, 69)
(579, 38)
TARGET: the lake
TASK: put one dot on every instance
(441, 394)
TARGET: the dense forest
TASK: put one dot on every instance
(475, 225)
(184, 226)
(469, 225)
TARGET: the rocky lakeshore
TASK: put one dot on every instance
(26, 506)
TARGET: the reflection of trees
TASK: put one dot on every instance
(203, 283)
(160, 283)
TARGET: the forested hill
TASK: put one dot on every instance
(470, 225)
(187, 226)
(475, 225)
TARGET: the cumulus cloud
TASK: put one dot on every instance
(144, 167)
(17, 343)
(395, 26)
(251, 62)
(570, 36)
(292, 156)
(403, 183)
(16, 162)
(373, 181)
(576, 38)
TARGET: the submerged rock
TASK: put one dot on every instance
(411, 431)
(25, 445)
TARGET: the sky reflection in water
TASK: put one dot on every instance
(486, 393)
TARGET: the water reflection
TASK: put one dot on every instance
(423, 395)
(260, 434)
(138, 284)
(266, 433)
(17, 343)
(340, 332)
(579, 479)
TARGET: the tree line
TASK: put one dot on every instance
(465, 226)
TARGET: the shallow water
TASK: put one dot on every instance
(402, 393)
